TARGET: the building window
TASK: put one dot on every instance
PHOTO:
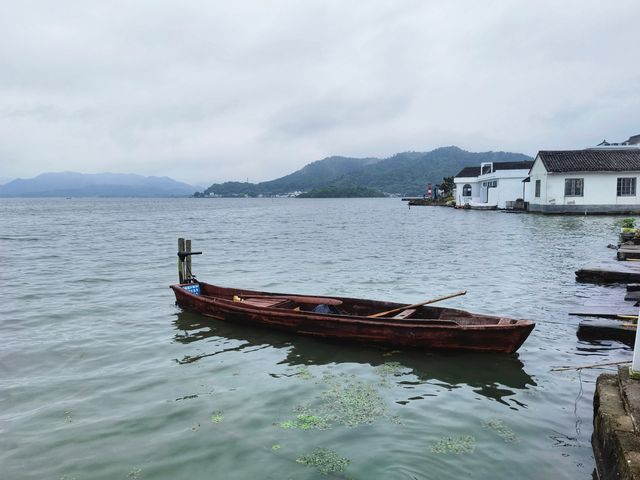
(627, 187)
(573, 187)
(466, 190)
(537, 188)
(491, 184)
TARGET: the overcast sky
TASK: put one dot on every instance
(204, 90)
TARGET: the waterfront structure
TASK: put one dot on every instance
(492, 185)
(595, 180)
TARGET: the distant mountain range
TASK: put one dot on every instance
(72, 184)
(404, 173)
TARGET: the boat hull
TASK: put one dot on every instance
(452, 329)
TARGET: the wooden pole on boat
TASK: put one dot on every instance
(416, 305)
(187, 270)
(180, 260)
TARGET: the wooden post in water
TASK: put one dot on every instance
(181, 260)
(634, 371)
(187, 270)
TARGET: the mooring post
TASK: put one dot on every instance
(634, 371)
(187, 270)
(181, 260)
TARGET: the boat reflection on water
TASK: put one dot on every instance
(494, 376)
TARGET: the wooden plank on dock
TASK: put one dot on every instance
(628, 252)
(618, 273)
(607, 330)
(632, 296)
(612, 311)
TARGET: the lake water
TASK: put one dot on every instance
(103, 377)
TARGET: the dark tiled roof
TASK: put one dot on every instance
(475, 171)
(512, 165)
(634, 140)
(469, 172)
(614, 160)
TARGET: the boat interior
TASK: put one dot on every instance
(349, 307)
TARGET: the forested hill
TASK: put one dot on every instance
(408, 173)
(315, 175)
(404, 173)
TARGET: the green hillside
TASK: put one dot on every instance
(314, 175)
(408, 173)
(404, 173)
(342, 192)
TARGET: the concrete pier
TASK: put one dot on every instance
(616, 439)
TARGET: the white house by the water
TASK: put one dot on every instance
(492, 185)
(595, 180)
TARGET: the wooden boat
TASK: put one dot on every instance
(348, 319)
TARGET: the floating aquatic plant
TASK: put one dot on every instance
(389, 369)
(457, 445)
(306, 421)
(134, 473)
(304, 373)
(500, 428)
(354, 404)
(390, 353)
(324, 460)
(217, 417)
(346, 403)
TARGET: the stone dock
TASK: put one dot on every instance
(616, 402)
(616, 438)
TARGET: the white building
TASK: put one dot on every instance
(600, 180)
(491, 185)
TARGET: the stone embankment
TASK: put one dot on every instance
(616, 439)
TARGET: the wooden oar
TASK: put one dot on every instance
(416, 305)
(298, 299)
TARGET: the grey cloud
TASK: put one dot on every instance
(258, 89)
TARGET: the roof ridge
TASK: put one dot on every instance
(591, 160)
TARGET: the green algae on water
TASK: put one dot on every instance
(347, 403)
(134, 473)
(390, 353)
(324, 460)
(390, 369)
(501, 429)
(217, 417)
(354, 404)
(456, 445)
(304, 373)
(306, 421)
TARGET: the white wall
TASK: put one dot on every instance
(599, 189)
(538, 172)
(508, 189)
(475, 190)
